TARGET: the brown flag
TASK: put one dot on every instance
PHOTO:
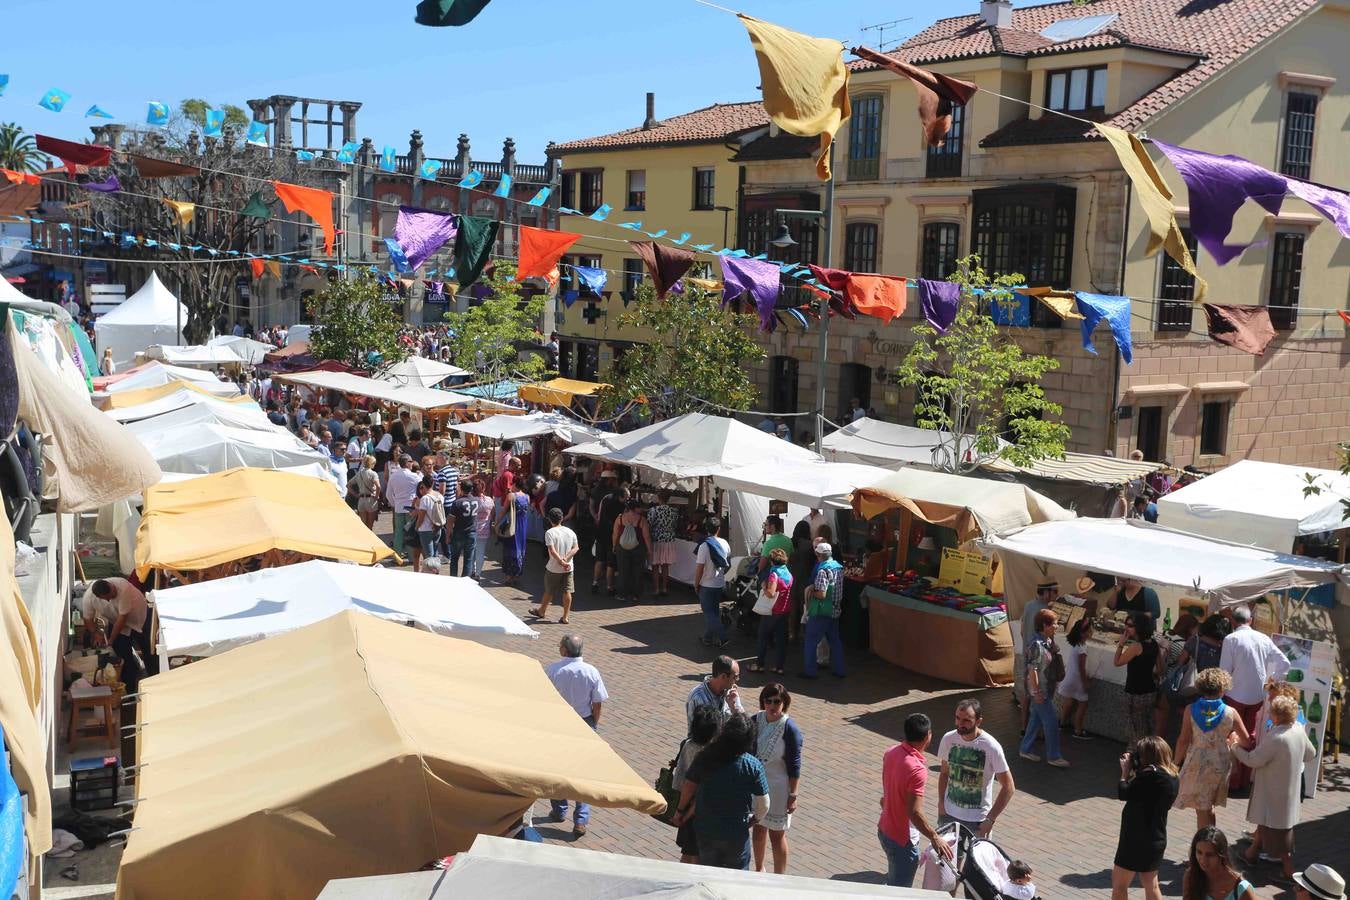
(937, 93)
(1245, 328)
(664, 264)
(149, 167)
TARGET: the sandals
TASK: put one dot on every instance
(536, 613)
(756, 667)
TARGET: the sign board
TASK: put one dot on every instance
(1312, 666)
(967, 572)
(105, 298)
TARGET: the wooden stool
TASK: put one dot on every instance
(93, 700)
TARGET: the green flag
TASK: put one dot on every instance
(438, 13)
(256, 207)
(473, 248)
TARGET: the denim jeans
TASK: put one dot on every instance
(559, 807)
(480, 545)
(461, 545)
(724, 853)
(1043, 718)
(710, 601)
(773, 631)
(902, 861)
(428, 540)
(827, 627)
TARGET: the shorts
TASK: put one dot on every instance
(368, 504)
(663, 553)
(556, 584)
(604, 547)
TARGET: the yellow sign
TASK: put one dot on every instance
(967, 572)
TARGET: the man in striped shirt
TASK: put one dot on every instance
(446, 480)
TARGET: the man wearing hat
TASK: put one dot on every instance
(1319, 882)
(824, 601)
(1046, 592)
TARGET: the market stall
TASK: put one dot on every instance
(887, 444)
(187, 408)
(208, 356)
(1080, 481)
(156, 373)
(209, 618)
(352, 746)
(208, 447)
(152, 315)
(559, 391)
(418, 371)
(174, 393)
(247, 349)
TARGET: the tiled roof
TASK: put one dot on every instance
(1216, 32)
(712, 124)
(18, 199)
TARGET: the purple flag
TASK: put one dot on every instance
(110, 186)
(1333, 204)
(421, 232)
(755, 277)
(939, 300)
(1218, 186)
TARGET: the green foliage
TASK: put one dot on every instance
(701, 352)
(194, 110)
(1313, 486)
(490, 336)
(970, 380)
(18, 151)
(354, 322)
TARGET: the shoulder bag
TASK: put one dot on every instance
(665, 786)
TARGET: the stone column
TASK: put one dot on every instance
(416, 154)
(463, 164)
(349, 109)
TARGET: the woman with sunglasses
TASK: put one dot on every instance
(778, 745)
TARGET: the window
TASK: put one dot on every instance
(1286, 275)
(757, 224)
(864, 140)
(783, 384)
(705, 194)
(588, 361)
(1214, 428)
(855, 382)
(1148, 432)
(1176, 290)
(567, 359)
(632, 277)
(592, 191)
(568, 184)
(1076, 90)
(860, 247)
(637, 189)
(1029, 232)
(1300, 119)
(944, 160)
(941, 246)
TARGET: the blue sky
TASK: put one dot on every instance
(534, 70)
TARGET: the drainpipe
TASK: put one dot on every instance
(1113, 419)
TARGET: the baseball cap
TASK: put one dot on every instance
(824, 549)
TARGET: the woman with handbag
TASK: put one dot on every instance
(512, 528)
(631, 537)
(773, 605)
(1202, 748)
(702, 729)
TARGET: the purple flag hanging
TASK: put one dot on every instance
(421, 232)
(109, 186)
(1218, 186)
(757, 278)
(939, 300)
(1333, 204)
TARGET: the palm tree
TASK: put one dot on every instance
(17, 150)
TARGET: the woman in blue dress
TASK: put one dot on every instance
(513, 527)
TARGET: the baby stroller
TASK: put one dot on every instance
(977, 863)
(744, 588)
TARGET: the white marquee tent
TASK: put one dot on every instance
(214, 616)
(1258, 503)
(815, 484)
(245, 416)
(206, 448)
(156, 373)
(418, 371)
(183, 398)
(693, 445)
(247, 349)
(152, 315)
(211, 355)
(412, 397)
(518, 428)
(876, 443)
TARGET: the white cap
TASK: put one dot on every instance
(824, 549)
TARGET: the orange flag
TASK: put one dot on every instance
(315, 203)
(540, 250)
(257, 266)
(274, 268)
(14, 177)
(881, 296)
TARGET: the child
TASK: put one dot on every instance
(1018, 885)
(1073, 690)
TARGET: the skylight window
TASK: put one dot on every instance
(1073, 29)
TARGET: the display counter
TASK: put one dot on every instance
(932, 639)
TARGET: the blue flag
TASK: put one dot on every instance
(473, 179)
(429, 169)
(213, 123)
(703, 248)
(684, 236)
(55, 100)
(539, 198)
(396, 255)
(592, 279)
(98, 112)
(503, 187)
(157, 113)
(4, 83)
(1116, 311)
(388, 159)
(257, 136)
(600, 214)
(304, 155)
(634, 226)
(655, 234)
(348, 152)
(1011, 311)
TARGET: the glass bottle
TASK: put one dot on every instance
(1167, 621)
(1315, 709)
(1302, 705)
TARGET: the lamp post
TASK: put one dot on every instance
(726, 216)
(783, 239)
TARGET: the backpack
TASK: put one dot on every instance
(628, 538)
(437, 514)
(715, 554)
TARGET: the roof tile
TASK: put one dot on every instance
(712, 124)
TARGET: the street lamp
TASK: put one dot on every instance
(726, 215)
(783, 240)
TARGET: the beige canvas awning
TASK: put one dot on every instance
(353, 746)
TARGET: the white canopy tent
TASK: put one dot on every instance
(1258, 503)
(206, 448)
(412, 397)
(180, 399)
(694, 445)
(211, 617)
(152, 315)
(247, 349)
(156, 373)
(195, 355)
(517, 428)
(522, 870)
(418, 371)
(876, 443)
(816, 484)
(1162, 557)
(246, 416)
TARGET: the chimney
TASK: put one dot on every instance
(997, 13)
(650, 122)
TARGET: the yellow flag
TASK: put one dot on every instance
(1063, 303)
(182, 211)
(708, 284)
(804, 81)
(274, 268)
(1156, 199)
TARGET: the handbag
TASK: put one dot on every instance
(665, 786)
(506, 528)
(765, 601)
(1180, 682)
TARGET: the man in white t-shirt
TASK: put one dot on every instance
(561, 544)
(710, 577)
(93, 607)
(130, 630)
(816, 518)
(971, 762)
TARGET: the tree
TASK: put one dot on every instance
(355, 324)
(972, 382)
(494, 338)
(18, 152)
(702, 352)
(194, 110)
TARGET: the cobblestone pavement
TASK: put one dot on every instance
(1064, 822)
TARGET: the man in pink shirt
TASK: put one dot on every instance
(904, 772)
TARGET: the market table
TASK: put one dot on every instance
(1107, 712)
(935, 640)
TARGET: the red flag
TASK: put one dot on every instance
(315, 203)
(881, 296)
(540, 250)
(73, 154)
(937, 93)
(257, 266)
(836, 279)
(1345, 316)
